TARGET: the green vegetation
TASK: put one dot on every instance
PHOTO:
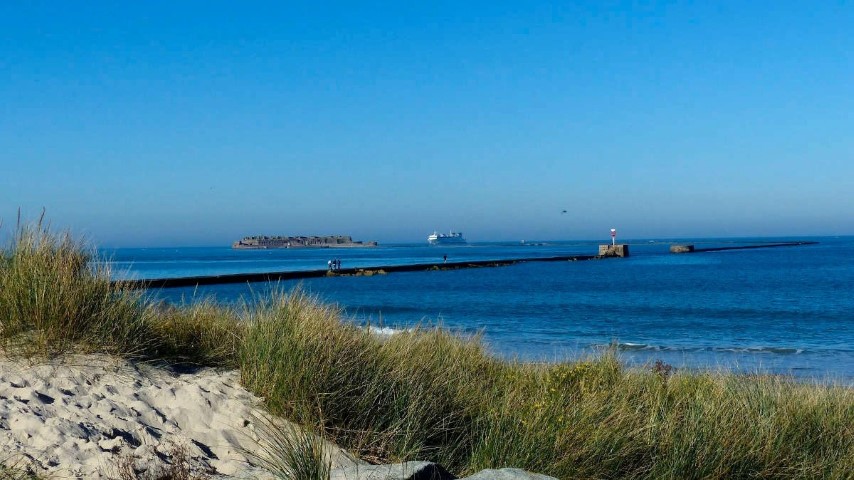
(291, 452)
(55, 300)
(427, 394)
(430, 395)
(51, 302)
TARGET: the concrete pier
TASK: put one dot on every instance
(618, 250)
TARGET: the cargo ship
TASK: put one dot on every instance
(314, 241)
(452, 238)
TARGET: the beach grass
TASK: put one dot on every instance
(405, 396)
(201, 333)
(428, 394)
(54, 299)
(290, 452)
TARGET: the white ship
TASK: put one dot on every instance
(452, 238)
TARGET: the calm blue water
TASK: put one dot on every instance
(782, 310)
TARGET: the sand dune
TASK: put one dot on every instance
(85, 416)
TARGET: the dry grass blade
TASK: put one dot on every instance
(290, 452)
(178, 467)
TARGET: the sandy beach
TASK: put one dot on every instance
(91, 416)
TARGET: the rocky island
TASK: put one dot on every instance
(329, 241)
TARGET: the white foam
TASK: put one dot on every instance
(387, 331)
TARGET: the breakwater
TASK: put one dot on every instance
(359, 271)
(693, 249)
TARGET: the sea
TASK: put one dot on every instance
(786, 310)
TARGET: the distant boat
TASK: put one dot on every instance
(452, 238)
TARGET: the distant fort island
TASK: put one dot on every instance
(330, 241)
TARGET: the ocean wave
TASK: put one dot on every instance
(628, 346)
(381, 309)
(777, 350)
(637, 347)
(386, 331)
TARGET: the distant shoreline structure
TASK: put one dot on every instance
(313, 241)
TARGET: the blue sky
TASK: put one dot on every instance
(196, 123)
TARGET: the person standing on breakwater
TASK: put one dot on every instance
(329, 265)
(337, 264)
(444, 259)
